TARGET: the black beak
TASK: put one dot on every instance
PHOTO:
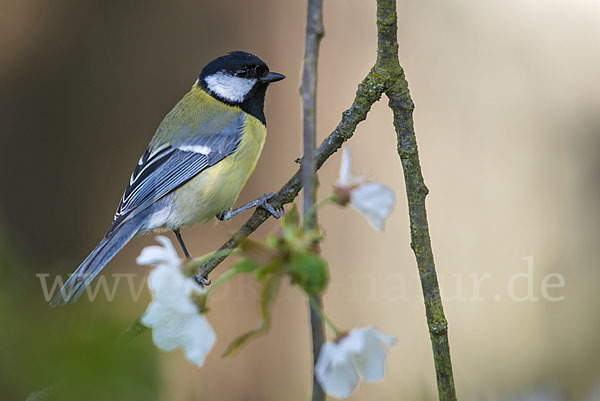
(272, 77)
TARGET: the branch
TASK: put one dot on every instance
(402, 107)
(308, 91)
(386, 76)
(369, 91)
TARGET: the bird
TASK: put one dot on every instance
(196, 164)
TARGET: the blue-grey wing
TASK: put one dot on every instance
(163, 169)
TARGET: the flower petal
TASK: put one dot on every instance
(173, 316)
(347, 179)
(384, 338)
(188, 330)
(165, 325)
(374, 201)
(335, 372)
(157, 255)
(370, 362)
(154, 315)
(173, 290)
(353, 342)
(345, 174)
(198, 338)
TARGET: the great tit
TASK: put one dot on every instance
(196, 165)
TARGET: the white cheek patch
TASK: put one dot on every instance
(205, 150)
(230, 88)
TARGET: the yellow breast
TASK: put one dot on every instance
(217, 188)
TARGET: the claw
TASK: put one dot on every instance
(275, 212)
(261, 201)
(271, 209)
(203, 281)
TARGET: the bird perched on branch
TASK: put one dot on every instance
(196, 165)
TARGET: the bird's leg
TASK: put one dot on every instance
(182, 244)
(261, 201)
(203, 281)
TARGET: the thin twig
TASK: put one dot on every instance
(308, 91)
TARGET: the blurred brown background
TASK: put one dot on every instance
(507, 121)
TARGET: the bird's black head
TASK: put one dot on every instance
(239, 79)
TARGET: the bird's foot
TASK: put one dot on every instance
(261, 201)
(264, 203)
(201, 280)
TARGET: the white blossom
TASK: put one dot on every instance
(372, 199)
(361, 353)
(173, 316)
(347, 179)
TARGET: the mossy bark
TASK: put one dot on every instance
(400, 101)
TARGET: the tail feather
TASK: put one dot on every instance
(95, 262)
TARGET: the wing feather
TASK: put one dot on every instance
(165, 168)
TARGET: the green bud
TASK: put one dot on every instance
(309, 271)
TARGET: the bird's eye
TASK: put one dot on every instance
(241, 73)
